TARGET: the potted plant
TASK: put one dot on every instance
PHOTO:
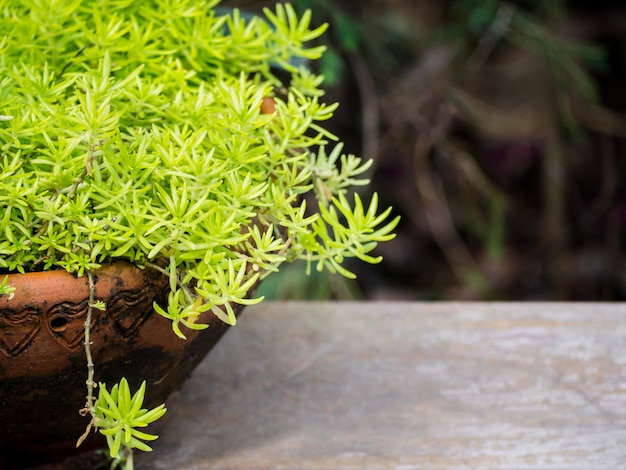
(155, 169)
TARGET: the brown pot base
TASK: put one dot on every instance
(42, 358)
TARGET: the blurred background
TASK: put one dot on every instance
(498, 133)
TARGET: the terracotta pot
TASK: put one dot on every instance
(42, 358)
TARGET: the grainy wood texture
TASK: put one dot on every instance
(406, 386)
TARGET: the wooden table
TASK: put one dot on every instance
(406, 386)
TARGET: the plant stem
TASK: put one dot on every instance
(90, 366)
(87, 170)
(130, 465)
(89, 407)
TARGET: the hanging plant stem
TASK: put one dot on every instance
(91, 385)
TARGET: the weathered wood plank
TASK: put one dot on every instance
(406, 386)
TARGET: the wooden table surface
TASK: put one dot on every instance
(406, 386)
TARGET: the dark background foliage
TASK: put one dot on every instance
(498, 132)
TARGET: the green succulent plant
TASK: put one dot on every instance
(118, 415)
(137, 131)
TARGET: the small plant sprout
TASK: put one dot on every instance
(5, 288)
(119, 415)
(179, 315)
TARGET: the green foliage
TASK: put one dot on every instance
(133, 130)
(564, 55)
(118, 415)
(5, 288)
(331, 178)
(380, 34)
(347, 35)
(495, 21)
